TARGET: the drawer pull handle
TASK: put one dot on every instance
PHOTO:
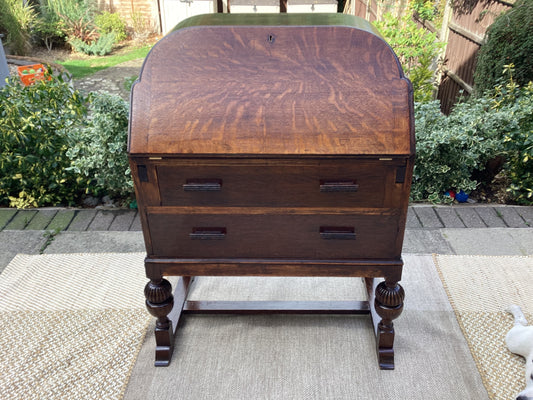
(208, 234)
(337, 233)
(339, 186)
(202, 185)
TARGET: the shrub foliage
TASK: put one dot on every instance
(107, 22)
(34, 122)
(98, 150)
(417, 50)
(57, 145)
(97, 47)
(451, 148)
(509, 41)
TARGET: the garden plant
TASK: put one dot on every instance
(58, 146)
(77, 23)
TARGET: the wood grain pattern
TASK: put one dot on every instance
(281, 186)
(227, 90)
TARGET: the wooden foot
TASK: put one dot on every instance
(159, 302)
(386, 306)
(167, 308)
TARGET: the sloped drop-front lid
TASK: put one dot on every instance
(283, 84)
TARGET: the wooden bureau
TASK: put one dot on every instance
(272, 145)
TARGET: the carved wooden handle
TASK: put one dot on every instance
(202, 185)
(338, 186)
(337, 232)
(209, 233)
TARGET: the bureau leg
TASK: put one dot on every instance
(159, 302)
(388, 305)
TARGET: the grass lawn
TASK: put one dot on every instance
(80, 68)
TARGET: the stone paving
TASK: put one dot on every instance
(419, 217)
(111, 80)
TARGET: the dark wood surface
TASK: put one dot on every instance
(264, 146)
(230, 90)
(276, 307)
(271, 183)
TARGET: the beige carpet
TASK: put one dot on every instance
(71, 325)
(480, 288)
(313, 357)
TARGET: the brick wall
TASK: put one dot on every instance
(138, 14)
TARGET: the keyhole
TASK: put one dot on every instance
(271, 39)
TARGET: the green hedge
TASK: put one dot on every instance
(34, 126)
(509, 40)
(451, 149)
(58, 146)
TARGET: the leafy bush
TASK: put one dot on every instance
(66, 19)
(70, 9)
(16, 19)
(98, 47)
(517, 103)
(509, 40)
(34, 122)
(99, 149)
(450, 149)
(417, 50)
(80, 29)
(107, 22)
(49, 27)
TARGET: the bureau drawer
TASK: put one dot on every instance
(270, 234)
(325, 184)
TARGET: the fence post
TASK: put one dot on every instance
(444, 34)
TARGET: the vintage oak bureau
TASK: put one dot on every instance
(272, 145)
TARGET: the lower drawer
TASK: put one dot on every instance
(292, 236)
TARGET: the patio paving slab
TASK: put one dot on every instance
(101, 221)
(412, 221)
(96, 242)
(490, 217)
(489, 241)
(82, 220)
(5, 216)
(21, 220)
(511, 217)
(123, 220)
(15, 242)
(41, 220)
(428, 217)
(425, 241)
(61, 220)
(527, 215)
(449, 217)
(470, 217)
(136, 224)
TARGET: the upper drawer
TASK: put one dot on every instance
(341, 183)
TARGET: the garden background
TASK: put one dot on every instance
(61, 146)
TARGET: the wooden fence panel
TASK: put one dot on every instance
(465, 32)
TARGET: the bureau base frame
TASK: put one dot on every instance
(384, 304)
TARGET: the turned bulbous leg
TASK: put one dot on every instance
(389, 301)
(388, 304)
(159, 302)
